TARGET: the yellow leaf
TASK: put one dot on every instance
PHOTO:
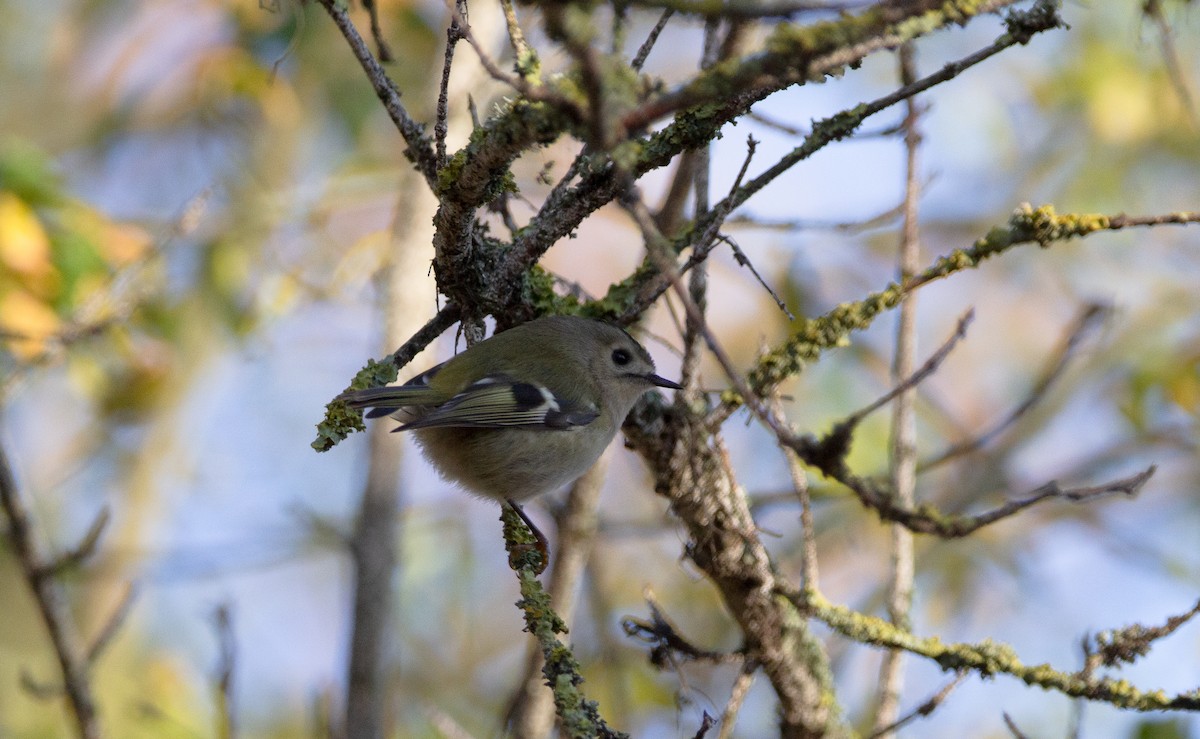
(1184, 390)
(26, 322)
(1123, 110)
(24, 245)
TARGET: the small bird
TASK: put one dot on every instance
(525, 412)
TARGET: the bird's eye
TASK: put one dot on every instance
(621, 357)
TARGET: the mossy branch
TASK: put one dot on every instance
(1028, 225)
(340, 420)
(579, 717)
(987, 658)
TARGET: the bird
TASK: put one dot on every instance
(524, 412)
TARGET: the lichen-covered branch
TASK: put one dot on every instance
(1028, 225)
(579, 717)
(724, 543)
(987, 658)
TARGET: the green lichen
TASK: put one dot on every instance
(341, 420)
(579, 717)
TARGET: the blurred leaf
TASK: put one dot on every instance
(24, 245)
(27, 172)
(1160, 729)
(29, 320)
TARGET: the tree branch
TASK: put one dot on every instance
(987, 658)
(51, 602)
(420, 149)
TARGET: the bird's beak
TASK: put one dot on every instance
(663, 382)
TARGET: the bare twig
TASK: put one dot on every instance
(737, 696)
(639, 59)
(667, 645)
(385, 51)
(744, 261)
(1013, 728)
(926, 708)
(778, 125)
(875, 221)
(808, 531)
(226, 663)
(1092, 316)
(440, 126)
(1124, 646)
(113, 625)
(930, 366)
(51, 602)
(1175, 69)
(925, 521)
(84, 549)
(464, 32)
(902, 450)
(414, 134)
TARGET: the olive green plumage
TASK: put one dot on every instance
(526, 411)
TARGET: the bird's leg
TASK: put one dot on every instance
(542, 545)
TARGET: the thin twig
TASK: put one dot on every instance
(1013, 728)
(926, 708)
(1175, 69)
(902, 450)
(113, 625)
(744, 261)
(755, 9)
(737, 696)
(930, 366)
(441, 123)
(809, 570)
(84, 549)
(385, 51)
(647, 46)
(226, 663)
(1091, 317)
(414, 133)
(778, 125)
(51, 602)
(879, 220)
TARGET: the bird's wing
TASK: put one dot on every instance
(499, 401)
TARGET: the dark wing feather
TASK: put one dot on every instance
(499, 402)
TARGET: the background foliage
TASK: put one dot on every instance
(194, 197)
